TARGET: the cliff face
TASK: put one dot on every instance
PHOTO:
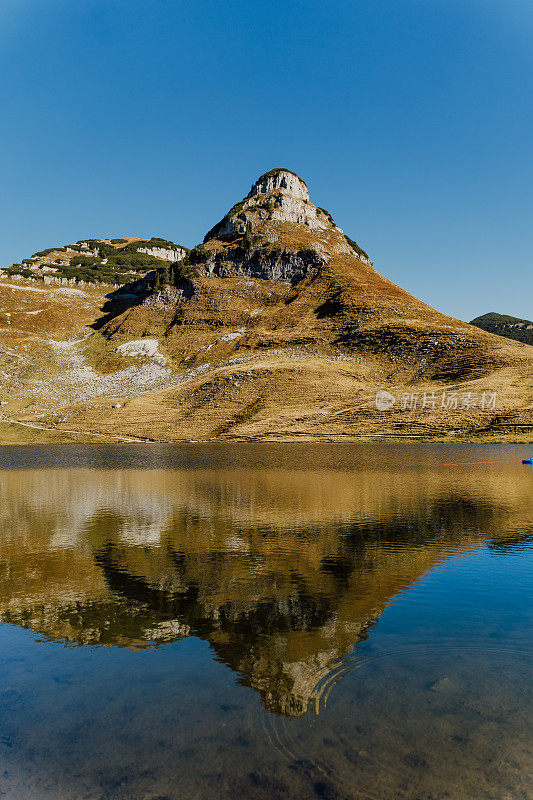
(249, 241)
(284, 180)
(277, 196)
(166, 254)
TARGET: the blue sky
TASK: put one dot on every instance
(410, 120)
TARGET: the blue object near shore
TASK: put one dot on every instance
(527, 461)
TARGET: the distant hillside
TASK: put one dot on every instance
(114, 261)
(512, 327)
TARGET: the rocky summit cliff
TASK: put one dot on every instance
(276, 326)
(249, 240)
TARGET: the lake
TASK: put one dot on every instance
(266, 621)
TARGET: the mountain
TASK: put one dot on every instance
(277, 326)
(512, 327)
(111, 261)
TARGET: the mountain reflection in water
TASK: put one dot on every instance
(282, 570)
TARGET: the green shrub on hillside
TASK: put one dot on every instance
(198, 255)
(355, 247)
(18, 269)
(122, 264)
(326, 214)
(157, 242)
(85, 261)
(173, 274)
(44, 253)
(521, 330)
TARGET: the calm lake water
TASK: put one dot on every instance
(266, 621)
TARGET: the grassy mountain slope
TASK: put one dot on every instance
(283, 329)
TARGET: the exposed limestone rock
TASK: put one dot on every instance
(276, 204)
(49, 280)
(294, 209)
(139, 347)
(276, 198)
(274, 265)
(283, 180)
(166, 254)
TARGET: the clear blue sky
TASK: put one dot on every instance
(410, 120)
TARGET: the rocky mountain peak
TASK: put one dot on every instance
(277, 196)
(275, 233)
(282, 180)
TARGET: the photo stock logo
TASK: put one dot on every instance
(442, 401)
(384, 400)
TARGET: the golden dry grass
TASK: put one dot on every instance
(279, 362)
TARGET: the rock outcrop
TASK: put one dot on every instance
(246, 240)
(277, 196)
(283, 180)
(271, 264)
(167, 254)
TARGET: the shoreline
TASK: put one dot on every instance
(15, 432)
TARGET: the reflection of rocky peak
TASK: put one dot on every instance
(282, 604)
